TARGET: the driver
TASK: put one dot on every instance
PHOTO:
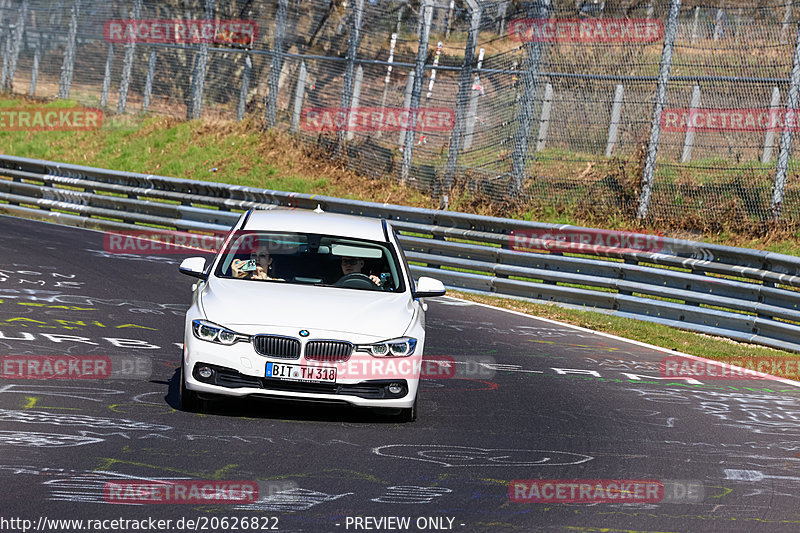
(354, 265)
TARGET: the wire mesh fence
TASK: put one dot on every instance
(554, 104)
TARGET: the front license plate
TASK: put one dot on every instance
(317, 374)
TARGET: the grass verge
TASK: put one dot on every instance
(701, 345)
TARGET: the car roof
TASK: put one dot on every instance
(305, 221)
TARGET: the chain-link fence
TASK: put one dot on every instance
(672, 112)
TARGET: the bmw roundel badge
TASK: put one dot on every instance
(304, 333)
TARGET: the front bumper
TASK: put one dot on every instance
(238, 371)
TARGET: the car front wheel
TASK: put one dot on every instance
(409, 414)
(190, 401)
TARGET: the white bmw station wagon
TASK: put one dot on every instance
(310, 306)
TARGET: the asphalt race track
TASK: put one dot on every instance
(531, 400)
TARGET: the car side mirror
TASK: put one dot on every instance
(195, 267)
(428, 288)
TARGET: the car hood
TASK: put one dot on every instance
(233, 303)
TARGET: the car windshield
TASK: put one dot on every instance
(311, 259)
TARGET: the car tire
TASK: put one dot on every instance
(409, 414)
(189, 399)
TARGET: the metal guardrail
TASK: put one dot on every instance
(743, 294)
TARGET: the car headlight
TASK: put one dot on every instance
(210, 332)
(401, 347)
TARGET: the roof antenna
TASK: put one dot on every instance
(319, 209)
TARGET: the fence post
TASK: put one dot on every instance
(127, 64)
(107, 76)
(787, 19)
(718, 29)
(6, 55)
(789, 124)
(688, 140)
(472, 110)
(658, 107)
(464, 88)
(406, 105)
(694, 24)
(299, 93)
(544, 120)
(530, 82)
(769, 135)
(449, 19)
(616, 116)
(392, 45)
(17, 44)
(425, 18)
(68, 65)
(148, 83)
(357, 12)
(248, 69)
(356, 96)
(277, 63)
(37, 54)
(200, 67)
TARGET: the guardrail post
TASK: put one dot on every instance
(425, 18)
(200, 67)
(616, 116)
(299, 94)
(688, 140)
(357, 11)
(530, 82)
(789, 124)
(769, 135)
(277, 63)
(17, 44)
(472, 110)
(127, 64)
(148, 83)
(544, 120)
(107, 76)
(37, 54)
(464, 88)
(658, 107)
(356, 96)
(248, 69)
